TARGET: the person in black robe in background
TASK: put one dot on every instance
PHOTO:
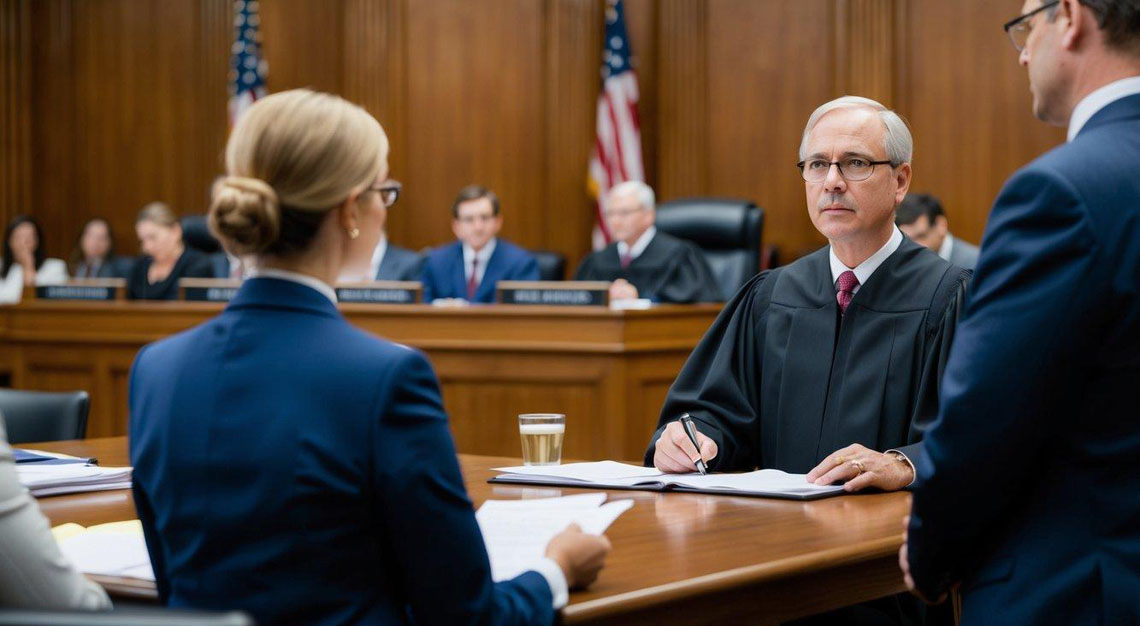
(643, 262)
(829, 366)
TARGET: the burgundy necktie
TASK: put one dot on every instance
(472, 281)
(847, 285)
(626, 259)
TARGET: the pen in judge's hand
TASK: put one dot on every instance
(691, 431)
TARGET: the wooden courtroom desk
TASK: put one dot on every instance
(608, 371)
(677, 558)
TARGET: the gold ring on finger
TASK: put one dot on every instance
(857, 464)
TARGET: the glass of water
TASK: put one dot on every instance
(541, 435)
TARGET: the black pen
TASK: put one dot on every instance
(691, 431)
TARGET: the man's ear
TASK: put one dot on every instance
(1075, 21)
(902, 178)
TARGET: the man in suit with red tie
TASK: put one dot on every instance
(1026, 496)
(470, 267)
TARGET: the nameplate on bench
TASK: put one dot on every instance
(554, 293)
(380, 292)
(208, 289)
(88, 289)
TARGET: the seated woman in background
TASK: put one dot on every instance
(23, 248)
(155, 276)
(94, 252)
(35, 575)
(293, 466)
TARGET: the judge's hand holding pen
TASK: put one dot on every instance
(862, 467)
(676, 454)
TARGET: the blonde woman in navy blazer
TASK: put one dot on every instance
(289, 464)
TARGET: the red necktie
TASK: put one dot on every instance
(847, 285)
(625, 259)
(473, 281)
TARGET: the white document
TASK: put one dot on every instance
(597, 471)
(611, 474)
(47, 480)
(116, 549)
(516, 532)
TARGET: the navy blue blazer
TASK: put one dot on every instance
(400, 264)
(1027, 493)
(445, 277)
(295, 467)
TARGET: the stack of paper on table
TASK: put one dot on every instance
(115, 549)
(767, 483)
(516, 531)
(49, 479)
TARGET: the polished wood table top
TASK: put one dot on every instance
(685, 558)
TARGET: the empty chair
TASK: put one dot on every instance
(44, 416)
(551, 265)
(124, 617)
(196, 234)
(727, 231)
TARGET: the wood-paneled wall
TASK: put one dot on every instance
(107, 105)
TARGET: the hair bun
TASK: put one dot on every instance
(245, 215)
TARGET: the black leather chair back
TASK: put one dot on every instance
(44, 416)
(551, 265)
(131, 616)
(197, 235)
(728, 231)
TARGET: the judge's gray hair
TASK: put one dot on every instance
(644, 193)
(899, 143)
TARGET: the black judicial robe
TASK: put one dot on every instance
(781, 381)
(668, 270)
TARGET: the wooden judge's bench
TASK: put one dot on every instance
(607, 370)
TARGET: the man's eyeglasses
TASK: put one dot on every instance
(389, 191)
(1019, 27)
(852, 168)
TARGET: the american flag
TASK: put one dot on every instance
(616, 156)
(247, 68)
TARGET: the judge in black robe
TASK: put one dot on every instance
(668, 270)
(644, 262)
(781, 380)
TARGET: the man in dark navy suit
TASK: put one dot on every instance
(391, 262)
(1026, 496)
(470, 268)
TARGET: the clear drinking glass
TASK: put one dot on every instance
(541, 435)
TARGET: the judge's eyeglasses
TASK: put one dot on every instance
(852, 168)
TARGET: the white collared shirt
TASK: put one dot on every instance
(378, 257)
(1099, 99)
(947, 247)
(864, 270)
(484, 255)
(302, 279)
(639, 246)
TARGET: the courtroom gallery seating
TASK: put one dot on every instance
(44, 416)
(728, 231)
(124, 617)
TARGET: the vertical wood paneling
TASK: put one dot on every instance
(573, 50)
(969, 107)
(683, 94)
(58, 146)
(15, 109)
(866, 62)
(127, 101)
(475, 79)
(375, 55)
(303, 44)
(758, 110)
